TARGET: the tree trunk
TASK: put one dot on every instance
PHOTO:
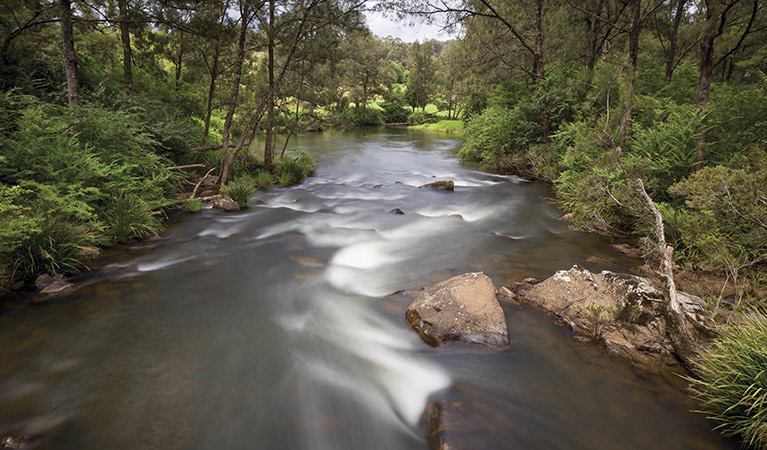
(704, 82)
(672, 44)
(68, 49)
(636, 6)
(127, 53)
(211, 92)
(268, 153)
(226, 161)
(539, 73)
(179, 62)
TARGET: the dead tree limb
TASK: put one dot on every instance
(188, 166)
(681, 336)
(197, 186)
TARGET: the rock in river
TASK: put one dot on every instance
(442, 185)
(226, 204)
(462, 308)
(625, 312)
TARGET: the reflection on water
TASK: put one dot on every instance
(265, 328)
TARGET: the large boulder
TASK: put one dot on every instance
(625, 312)
(226, 204)
(462, 308)
(442, 185)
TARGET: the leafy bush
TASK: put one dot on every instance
(54, 249)
(129, 217)
(293, 169)
(262, 179)
(194, 205)
(732, 382)
(394, 111)
(240, 190)
(419, 118)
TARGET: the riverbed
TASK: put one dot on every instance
(270, 328)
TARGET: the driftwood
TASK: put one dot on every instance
(197, 186)
(188, 166)
(681, 337)
(203, 199)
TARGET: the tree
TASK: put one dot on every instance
(420, 86)
(68, 50)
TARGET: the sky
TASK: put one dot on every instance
(384, 26)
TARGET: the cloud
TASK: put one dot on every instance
(383, 26)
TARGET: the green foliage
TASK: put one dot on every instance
(726, 214)
(732, 381)
(128, 217)
(194, 205)
(262, 179)
(54, 249)
(240, 190)
(394, 111)
(419, 118)
(292, 169)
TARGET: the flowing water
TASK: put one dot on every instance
(267, 328)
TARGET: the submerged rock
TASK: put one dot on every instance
(44, 280)
(226, 204)
(58, 287)
(442, 185)
(625, 312)
(449, 426)
(397, 211)
(13, 441)
(462, 308)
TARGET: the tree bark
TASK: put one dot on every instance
(636, 6)
(268, 152)
(226, 161)
(179, 62)
(680, 336)
(213, 71)
(539, 73)
(68, 49)
(672, 44)
(127, 52)
(704, 81)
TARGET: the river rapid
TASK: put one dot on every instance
(269, 328)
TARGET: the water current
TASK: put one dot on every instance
(269, 328)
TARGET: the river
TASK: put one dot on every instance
(268, 328)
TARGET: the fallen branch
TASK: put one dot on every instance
(197, 186)
(205, 148)
(682, 339)
(188, 166)
(202, 199)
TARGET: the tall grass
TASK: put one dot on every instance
(129, 217)
(55, 249)
(732, 381)
(240, 190)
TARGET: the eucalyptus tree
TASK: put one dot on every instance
(368, 71)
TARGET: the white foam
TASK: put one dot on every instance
(161, 263)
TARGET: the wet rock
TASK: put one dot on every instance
(397, 211)
(13, 441)
(89, 252)
(456, 216)
(44, 280)
(448, 425)
(505, 294)
(462, 308)
(567, 217)
(442, 185)
(209, 181)
(58, 287)
(624, 312)
(17, 285)
(307, 261)
(600, 261)
(225, 204)
(628, 250)
(238, 238)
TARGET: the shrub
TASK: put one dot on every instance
(129, 217)
(194, 205)
(240, 190)
(293, 169)
(54, 249)
(262, 179)
(418, 118)
(394, 111)
(732, 381)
